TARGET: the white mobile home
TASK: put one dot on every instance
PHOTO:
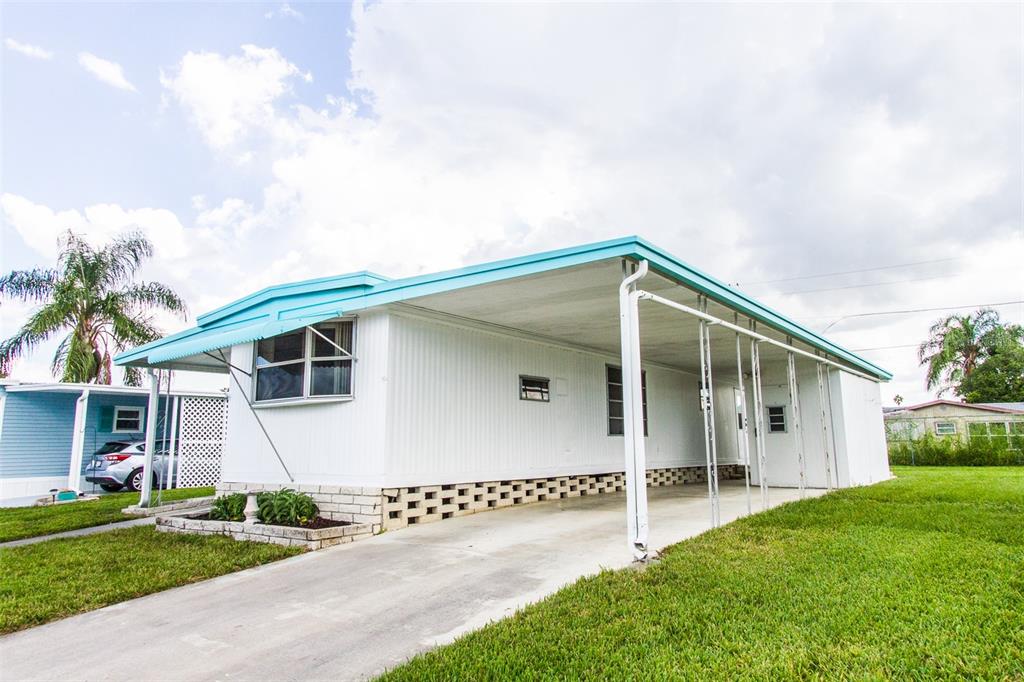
(564, 373)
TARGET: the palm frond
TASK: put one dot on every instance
(151, 295)
(29, 285)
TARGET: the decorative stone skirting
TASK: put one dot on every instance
(391, 508)
(258, 532)
(423, 504)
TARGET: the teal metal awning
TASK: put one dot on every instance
(278, 309)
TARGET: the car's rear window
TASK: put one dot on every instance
(111, 447)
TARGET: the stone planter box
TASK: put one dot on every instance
(258, 532)
(192, 503)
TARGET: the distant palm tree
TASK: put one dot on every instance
(92, 296)
(956, 345)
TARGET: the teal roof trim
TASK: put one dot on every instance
(275, 310)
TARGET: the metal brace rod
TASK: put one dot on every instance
(256, 416)
(798, 438)
(345, 352)
(788, 347)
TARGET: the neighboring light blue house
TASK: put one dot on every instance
(48, 432)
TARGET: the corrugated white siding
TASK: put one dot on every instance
(860, 431)
(454, 412)
(333, 442)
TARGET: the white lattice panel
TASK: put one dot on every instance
(201, 436)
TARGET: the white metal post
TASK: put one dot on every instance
(762, 457)
(172, 448)
(824, 429)
(794, 401)
(633, 415)
(147, 467)
(708, 408)
(78, 440)
(744, 434)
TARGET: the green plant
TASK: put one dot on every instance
(229, 507)
(930, 450)
(286, 508)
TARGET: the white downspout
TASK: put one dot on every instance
(172, 450)
(78, 440)
(633, 415)
(151, 417)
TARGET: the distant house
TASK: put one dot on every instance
(948, 418)
(49, 431)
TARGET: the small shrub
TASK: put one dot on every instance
(930, 450)
(229, 507)
(286, 508)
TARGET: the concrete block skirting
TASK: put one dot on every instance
(391, 508)
(258, 532)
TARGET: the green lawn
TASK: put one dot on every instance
(58, 578)
(27, 522)
(917, 578)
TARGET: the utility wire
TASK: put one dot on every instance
(863, 286)
(920, 310)
(850, 272)
(905, 345)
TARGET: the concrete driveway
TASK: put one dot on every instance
(352, 611)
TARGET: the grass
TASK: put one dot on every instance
(17, 523)
(59, 578)
(917, 578)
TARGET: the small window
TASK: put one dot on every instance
(534, 388)
(945, 428)
(616, 422)
(127, 419)
(776, 419)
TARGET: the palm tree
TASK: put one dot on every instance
(92, 296)
(956, 345)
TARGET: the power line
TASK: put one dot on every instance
(920, 310)
(851, 272)
(906, 345)
(862, 286)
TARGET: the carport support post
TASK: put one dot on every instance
(824, 429)
(794, 401)
(151, 415)
(744, 440)
(708, 409)
(755, 382)
(633, 413)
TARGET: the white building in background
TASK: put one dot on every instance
(500, 384)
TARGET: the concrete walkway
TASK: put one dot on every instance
(352, 611)
(78, 532)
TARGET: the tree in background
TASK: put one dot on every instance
(999, 379)
(958, 345)
(93, 297)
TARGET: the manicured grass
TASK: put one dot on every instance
(917, 578)
(58, 578)
(28, 522)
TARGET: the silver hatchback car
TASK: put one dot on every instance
(118, 465)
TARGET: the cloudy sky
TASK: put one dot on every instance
(766, 144)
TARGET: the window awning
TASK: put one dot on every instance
(199, 341)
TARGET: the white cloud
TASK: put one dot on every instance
(756, 142)
(28, 50)
(287, 11)
(105, 71)
(229, 97)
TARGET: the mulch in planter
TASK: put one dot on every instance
(315, 524)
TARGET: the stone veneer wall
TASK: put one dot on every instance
(390, 508)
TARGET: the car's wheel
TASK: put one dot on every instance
(134, 481)
(110, 488)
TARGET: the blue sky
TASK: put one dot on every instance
(260, 143)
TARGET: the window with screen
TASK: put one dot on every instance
(537, 389)
(776, 418)
(945, 428)
(616, 419)
(127, 419)
(311, 362)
